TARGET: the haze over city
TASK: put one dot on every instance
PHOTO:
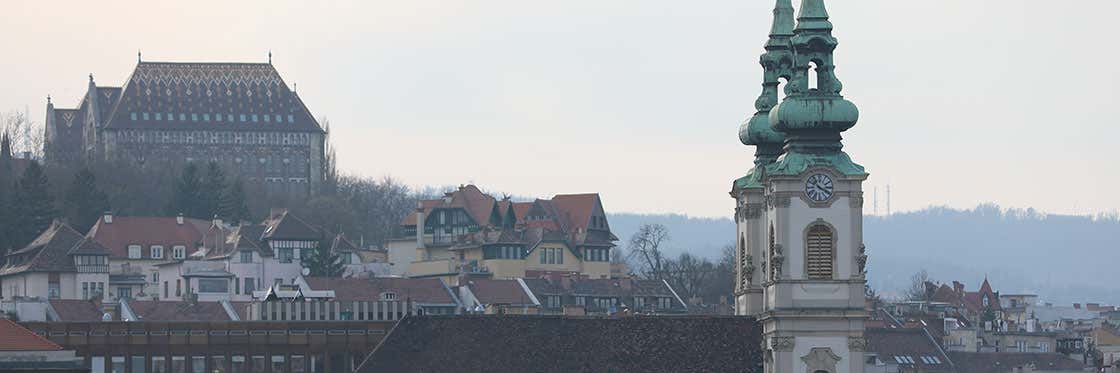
(630, 98)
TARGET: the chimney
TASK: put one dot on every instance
(107, 217)
(958, 288)
(179, 219)
(419, 225)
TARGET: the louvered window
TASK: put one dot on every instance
(744, 281)
(820, 253)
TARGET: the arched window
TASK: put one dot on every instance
(812, 76)
(820, 251)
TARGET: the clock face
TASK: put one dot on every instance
(818, 187)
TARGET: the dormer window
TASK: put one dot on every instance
(389, 296)
(985, 301)
(179, 252)
(134, 251)
(157, 252)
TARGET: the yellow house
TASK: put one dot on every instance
(468, 232)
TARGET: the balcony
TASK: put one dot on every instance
(93, 268)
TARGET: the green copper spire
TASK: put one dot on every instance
(812, 117)
(776, 64)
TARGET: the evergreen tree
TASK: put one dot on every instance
(323, 262)
(187, 198)
(236, 208)
(6, 185)
(85, 202)
(214, 193)
(32, 205)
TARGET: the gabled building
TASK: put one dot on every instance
(904, 350)
(606, 296)
(21, 350)
(138, 244)
(241, 115)
(60, 263)
(982, 306)
(468, 231)
(350, 299)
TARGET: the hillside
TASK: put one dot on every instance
(1062, 258)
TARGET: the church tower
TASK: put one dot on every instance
(800, 209)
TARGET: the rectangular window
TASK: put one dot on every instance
(544, 256)
(124, 292)
(560, 256)
(198, 364)
(278, 363)
(237, 364)
(299, 364)
(237, 285)
(159, 364)
(278, 118)
(139, 363)
(242, 117)
(155, 277)
(205, 117)
(285, 255)
(291, 118)
(254, 118)
(134, 251)
(194, 117)
(54, 290)
(132, 116)
(183, 117)
(85, 290)
(97, 364)
(218, 363)
(179, 252)
(159, 116)
(213, 285)
(259, 364)
(246, 256)
(178, 364)
(157, 252)
(267, 118)
(117, 364)
(250, 286)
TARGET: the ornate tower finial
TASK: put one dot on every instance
(269, 56)
(776, 63)
(812, 117)
(138, 59)
(91, 77)
(48, 99)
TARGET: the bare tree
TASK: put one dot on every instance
(646, 250)
(917, 289)
(27, 136)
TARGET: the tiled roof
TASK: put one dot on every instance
(576, 208)
(14, 337)
(284, 225)
(419, 290)
(1006, 362)
(489, 291)
(560, 344)
(149, 310)
(341, 244)
(246, 96)
(913, 345)
(601, 287)
(50, 252)
(147, 231)
(76, 310)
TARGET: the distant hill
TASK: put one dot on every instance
(1062, 258)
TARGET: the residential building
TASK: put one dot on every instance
(606, 296)
(1019, 341)
(515, 343)
(363, 299)
(904, 350)
(138, 244)
(991, 362)
(1105, 346)
(470, 232)
(489, 296)
(241, 115)
(58, 264)
(21, 350)
(981, 306)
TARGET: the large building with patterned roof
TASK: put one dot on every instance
(241, 115)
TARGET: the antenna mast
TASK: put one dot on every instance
(888, 199)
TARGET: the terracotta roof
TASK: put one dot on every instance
(489, 291)
(521, 209)
(913, 345)
(604, 287)
(76, 310)
(419, 290)
(149, 310)
(51, 251)
(576, 209)
(14, 337)
(561, 344)
(147, 231)
(1006, 362)
(247, 96)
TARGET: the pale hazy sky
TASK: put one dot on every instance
(962, 101)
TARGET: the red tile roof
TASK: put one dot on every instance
(576, 209)
(420, 290)
(149, 310)
(489, 291)
(14, 337)
(147, 231)
(76, 310)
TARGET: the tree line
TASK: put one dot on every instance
(697, 279)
